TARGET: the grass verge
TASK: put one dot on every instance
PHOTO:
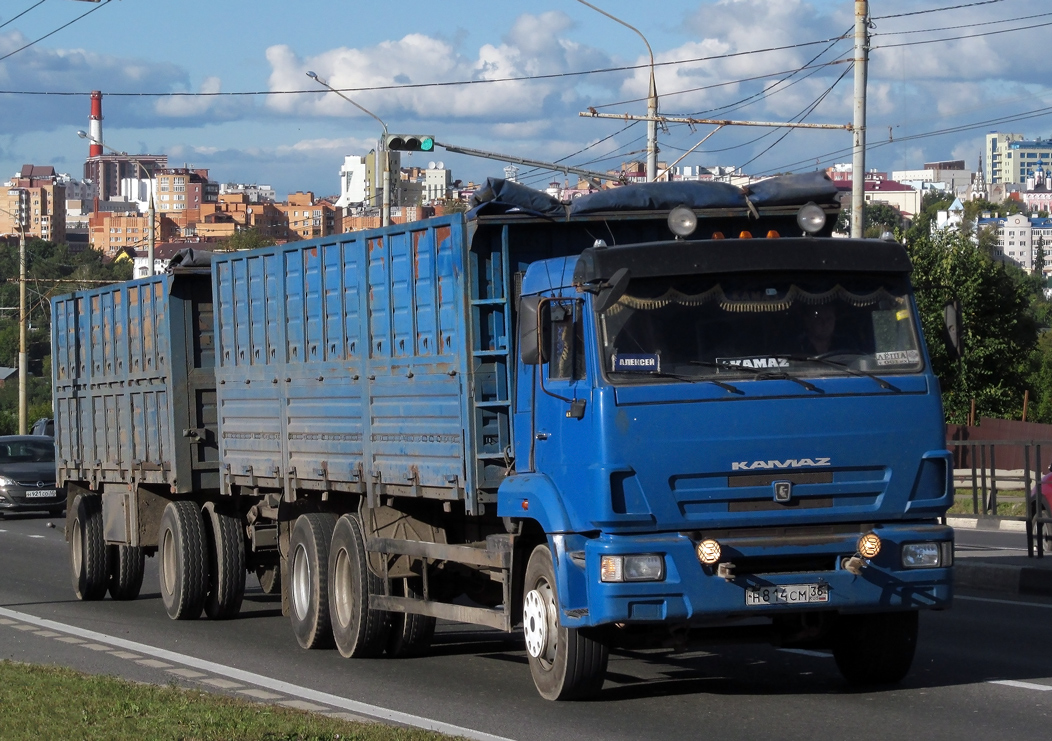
(1010, 503)
(54, 702)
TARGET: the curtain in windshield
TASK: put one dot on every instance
(815, 323)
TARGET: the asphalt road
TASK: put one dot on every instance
(983, 669)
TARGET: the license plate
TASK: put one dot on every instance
(787, 594)
(41, 494)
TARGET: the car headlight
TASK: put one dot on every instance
(5, 482)
(648, 567)
(927, 555)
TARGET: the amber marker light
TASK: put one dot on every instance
(869, 545)
(709, 552)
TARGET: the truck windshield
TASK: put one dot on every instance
(752, 325)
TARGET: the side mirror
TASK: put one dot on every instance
(953, 336)
(534, 319)
(613, 290)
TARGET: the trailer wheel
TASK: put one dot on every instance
(226, 564)
(87, 549)
(309, 579)
(875, 649)
(184, 561)
(565, 664)
(410, 634)
(359, 631)
(269, 578)
(126, 566)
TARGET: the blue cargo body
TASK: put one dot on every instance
(132, 374)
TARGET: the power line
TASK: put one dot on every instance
(52, 33)
(12, 20)
(963, 25)
(937, 10)
(966, 36)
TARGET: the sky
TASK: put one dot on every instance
(443, 69)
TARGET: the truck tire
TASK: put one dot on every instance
(126, 566)
(226, 564)
(359, 631)
(875, 649)
(309, 579)
(184, 561)
(410, 634)
(88, 555)
(269, 578)
(565, 664)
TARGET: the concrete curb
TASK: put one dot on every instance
(987, 523)
(1007, 578)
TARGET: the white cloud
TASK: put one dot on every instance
(181, 106)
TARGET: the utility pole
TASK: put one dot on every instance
(23, 362)
(858, 165)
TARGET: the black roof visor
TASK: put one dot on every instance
(741, 255)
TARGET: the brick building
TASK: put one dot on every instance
(36, 194)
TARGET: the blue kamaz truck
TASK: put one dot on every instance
(659, 414)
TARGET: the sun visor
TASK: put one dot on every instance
(500, 196)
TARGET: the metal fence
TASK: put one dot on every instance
(993, 466)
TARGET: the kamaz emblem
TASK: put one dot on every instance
(790, 463)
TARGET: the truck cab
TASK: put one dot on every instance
(718, 430)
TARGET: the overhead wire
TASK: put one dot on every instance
(52, 33)
(938, 10)
(12, 20)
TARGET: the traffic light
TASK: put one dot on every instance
(410, 143)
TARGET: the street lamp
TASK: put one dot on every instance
(23, 364)
(652, 96)
(151, 212)
(385, 207)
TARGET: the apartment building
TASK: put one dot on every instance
(234, 212)
(37, 196)
(180, 188)
(1018, 238)
(110, 232)
(308, 218)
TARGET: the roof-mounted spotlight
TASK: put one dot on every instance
(811, 218)
(682, 221)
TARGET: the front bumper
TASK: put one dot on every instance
(14, 499)
(693, 593)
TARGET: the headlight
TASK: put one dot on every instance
(921, 556)
(811, 218)
(5, 482)
(632, 568)
(682, 221)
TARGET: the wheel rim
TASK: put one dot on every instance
(78, 547)
(300, 582)
(168, 562)
(538, 620)
(341, 589)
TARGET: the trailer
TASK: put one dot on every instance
(629, 420)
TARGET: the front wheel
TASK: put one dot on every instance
(875, 649)
(565, 664)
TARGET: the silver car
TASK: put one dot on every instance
(27, 475)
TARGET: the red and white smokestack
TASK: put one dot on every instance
(95, 126)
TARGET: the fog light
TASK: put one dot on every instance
(947, 553)
(811, 218)
(612, 568)
(708, 552)
(645, 568)
(921, 556)
(869, 545)
(682, 221)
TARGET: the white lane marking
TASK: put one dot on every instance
(1002, 601)
(1022, 685)
(34, 536)
(394, 716)
(223, 684)
(153, 664)
(45, 633)
(125, 655)
(303, 705)
(806, 652)
(260, 694)
(186, 673)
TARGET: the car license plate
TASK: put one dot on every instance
(40, 494)
(787, 594)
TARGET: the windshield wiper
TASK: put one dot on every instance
(760, 374)
(842, 366)
(695, 379)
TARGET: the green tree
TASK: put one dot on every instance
(877, 218)
(998, 325)
(1039, 260)
(248, 239)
